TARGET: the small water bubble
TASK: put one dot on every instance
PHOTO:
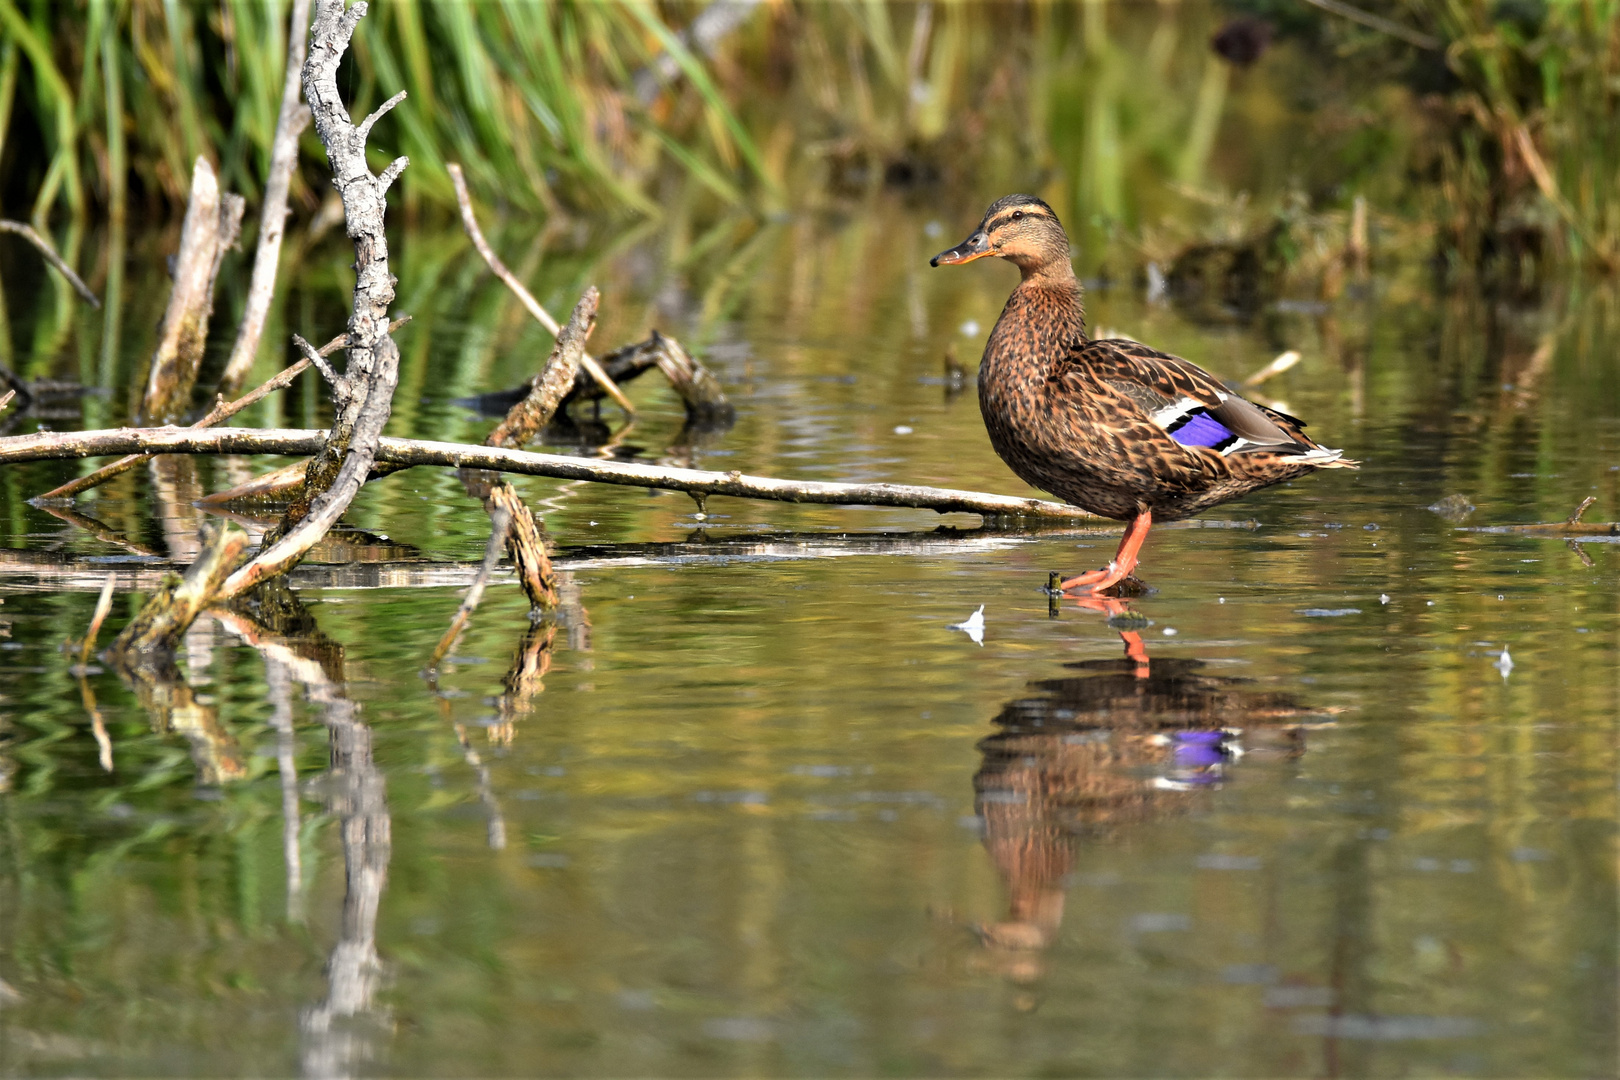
(1223, 600)
(1383, 598)
(1169, 631)
(970, 328)
(903, 429)
(1371, 526)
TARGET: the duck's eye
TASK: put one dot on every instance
(1017, 214)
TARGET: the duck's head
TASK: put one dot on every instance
(1019, 228)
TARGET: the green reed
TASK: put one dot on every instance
(1119, 114)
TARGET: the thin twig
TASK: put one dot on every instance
(470, 223)
(6, 399)
(60, 265)
(377, 114)
(49, 445)
(314, 357)
(221, 411)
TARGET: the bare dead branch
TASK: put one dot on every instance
(213, 223)
(470, 222)
(58, 263)
(700, 391)
(377, 114)
(1570, 526)
(219, 412)
(390, 174)
(314, 357)
(525, 420)
(528, 548)
(6, 399)
(1381, 24)
(290, 124)
(166, 616)
(345, 458)
(48, 445)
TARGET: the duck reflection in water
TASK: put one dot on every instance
(1124, 741)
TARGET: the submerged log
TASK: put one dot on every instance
(705, 402)
(212, 225)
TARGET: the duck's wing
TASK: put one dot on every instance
(1188, 403)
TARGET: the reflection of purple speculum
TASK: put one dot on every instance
(1198, 757)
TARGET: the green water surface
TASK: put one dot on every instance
(749, 805)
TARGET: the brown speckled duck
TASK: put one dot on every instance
(1112, 426)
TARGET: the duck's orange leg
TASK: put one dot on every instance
(1125, 559)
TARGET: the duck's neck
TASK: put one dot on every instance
(1043, 317)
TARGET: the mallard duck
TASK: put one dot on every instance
(1112, 426)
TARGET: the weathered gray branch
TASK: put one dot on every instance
(213, 223)
(290, 125)
(55, 445)
(345, 458)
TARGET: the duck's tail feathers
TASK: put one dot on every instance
(1323, 458)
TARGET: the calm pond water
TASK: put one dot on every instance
(751, 806)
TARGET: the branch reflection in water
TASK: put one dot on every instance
(1125, 742)
(335, 1041)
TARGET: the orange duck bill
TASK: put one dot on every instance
(976, 246)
